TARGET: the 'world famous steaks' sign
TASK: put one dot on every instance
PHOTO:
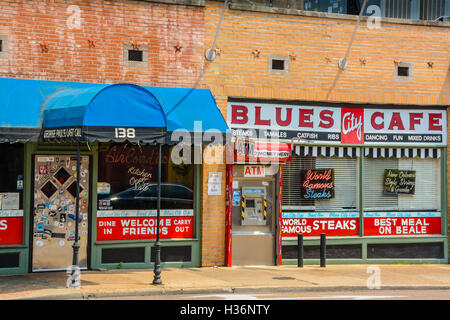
(317, 184)
(338, 125)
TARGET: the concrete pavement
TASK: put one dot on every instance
(126, 282)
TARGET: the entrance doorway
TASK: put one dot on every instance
(253, 219)
(54, 213)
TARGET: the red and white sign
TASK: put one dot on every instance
(254, 171)
(251, 151)
(140, 225)
(401, 224)
(352, 126)
(332, 224)
(338, 125)
(11, 227)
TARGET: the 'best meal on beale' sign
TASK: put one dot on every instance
(399, 181)
(317, 184)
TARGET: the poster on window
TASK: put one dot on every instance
(317, 184)
(142, 224)
(312, 224)
(11, 227)
(399, 181)
(401, 223)
(128, 179)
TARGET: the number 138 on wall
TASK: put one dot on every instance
(125, 133)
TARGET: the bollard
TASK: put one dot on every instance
(300, 250)
(323, 251)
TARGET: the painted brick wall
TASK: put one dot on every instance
(315, 45)
(69, 29)
(83, 41)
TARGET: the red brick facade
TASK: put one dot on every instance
(313, 45)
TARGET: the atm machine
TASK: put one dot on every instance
(254, 211)
(254, 206)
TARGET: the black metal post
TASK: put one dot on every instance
(300, 250)
(157, 270)
(323, 251)
(76, 245)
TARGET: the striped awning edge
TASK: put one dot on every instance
(314, 151)
(422, 153)
(327, 151)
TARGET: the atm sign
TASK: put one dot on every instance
(254, 171)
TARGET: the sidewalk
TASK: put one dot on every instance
(116, 283)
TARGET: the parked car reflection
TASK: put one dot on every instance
(145, 196)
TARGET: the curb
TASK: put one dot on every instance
(86, 295)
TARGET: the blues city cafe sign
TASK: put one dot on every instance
(338, 125)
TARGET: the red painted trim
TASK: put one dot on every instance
(280, 202)
(228, 223)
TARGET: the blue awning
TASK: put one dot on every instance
(101, 112)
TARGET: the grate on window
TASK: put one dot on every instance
(432, 9)
(292, 183)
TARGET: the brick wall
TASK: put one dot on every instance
(314, 46)
(213, 220)
(83, 41)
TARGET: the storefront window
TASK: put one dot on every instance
(128, 176)
(11, 194)
(402, 196)
(342, 185)
(420, 190)
(128, 190)
(320, 195)
(11, 173)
